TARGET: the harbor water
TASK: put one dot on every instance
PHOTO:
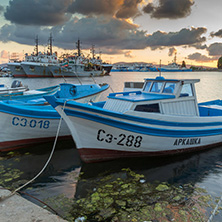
(61, 180)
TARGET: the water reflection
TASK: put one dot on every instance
(195, 168)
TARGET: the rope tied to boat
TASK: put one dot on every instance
(46, 164)
(215, 210)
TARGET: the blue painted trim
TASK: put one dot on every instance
(56, 102)
(144, 129)
(43, 112)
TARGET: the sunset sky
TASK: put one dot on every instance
(123, 30)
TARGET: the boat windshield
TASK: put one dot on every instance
(169, 87)
(147, 87)
(187, 90)
(156, 87)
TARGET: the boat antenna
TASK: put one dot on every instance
(36, 46)
(50, 43)
(160, 68)
(78, 47)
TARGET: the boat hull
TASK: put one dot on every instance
(20, 130)
(16, 70)
(59, 72)
(25, 123)
(101, 135)
(36, 70)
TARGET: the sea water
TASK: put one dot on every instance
(61, 177)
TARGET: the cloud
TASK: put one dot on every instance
(171, 9)
(108, 34)
(95, 7)
(172, 51)
(198, 57)
(128, 9)
(183, 37)
(199, 46)
(128, 54)
(215, 49)
(23, 34)
(120, 8)
(216, 34)
(41, 12)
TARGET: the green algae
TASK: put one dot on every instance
(129, 199)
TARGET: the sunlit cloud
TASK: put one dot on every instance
(171, 9)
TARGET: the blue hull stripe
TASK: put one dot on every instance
(43, 112)
(144, 129)
(96, 110)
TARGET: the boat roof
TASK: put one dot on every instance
(138, 96)
(162, 79)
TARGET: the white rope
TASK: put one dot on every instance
(215, 210)
(47, 162)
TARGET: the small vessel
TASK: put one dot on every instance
(163, 118)
(16, 88)
(30, 121)
(23, 93)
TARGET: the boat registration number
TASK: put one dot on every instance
(121, 139)
(16, 121)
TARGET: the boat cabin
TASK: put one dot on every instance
(159, 95)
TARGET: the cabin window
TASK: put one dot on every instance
(186, 90)
(150, 108)
(147, 87)
(169, 88)
(156, 87)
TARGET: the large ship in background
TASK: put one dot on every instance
(36, 65)
(78, 65)
(48, 65)
(15, 66)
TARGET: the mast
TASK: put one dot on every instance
(175, 58)
(78, 47)
(92, 50)
(50, 44)
(36, 46)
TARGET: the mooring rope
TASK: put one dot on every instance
(46, 164)
(215, 210)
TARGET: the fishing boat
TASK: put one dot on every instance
(23, 93)
(15, 88)
(26, 122)
(163, 118)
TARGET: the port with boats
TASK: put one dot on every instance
(173, 119)
(76, 64)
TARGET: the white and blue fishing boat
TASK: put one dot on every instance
(30, 121)
(161, 119)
